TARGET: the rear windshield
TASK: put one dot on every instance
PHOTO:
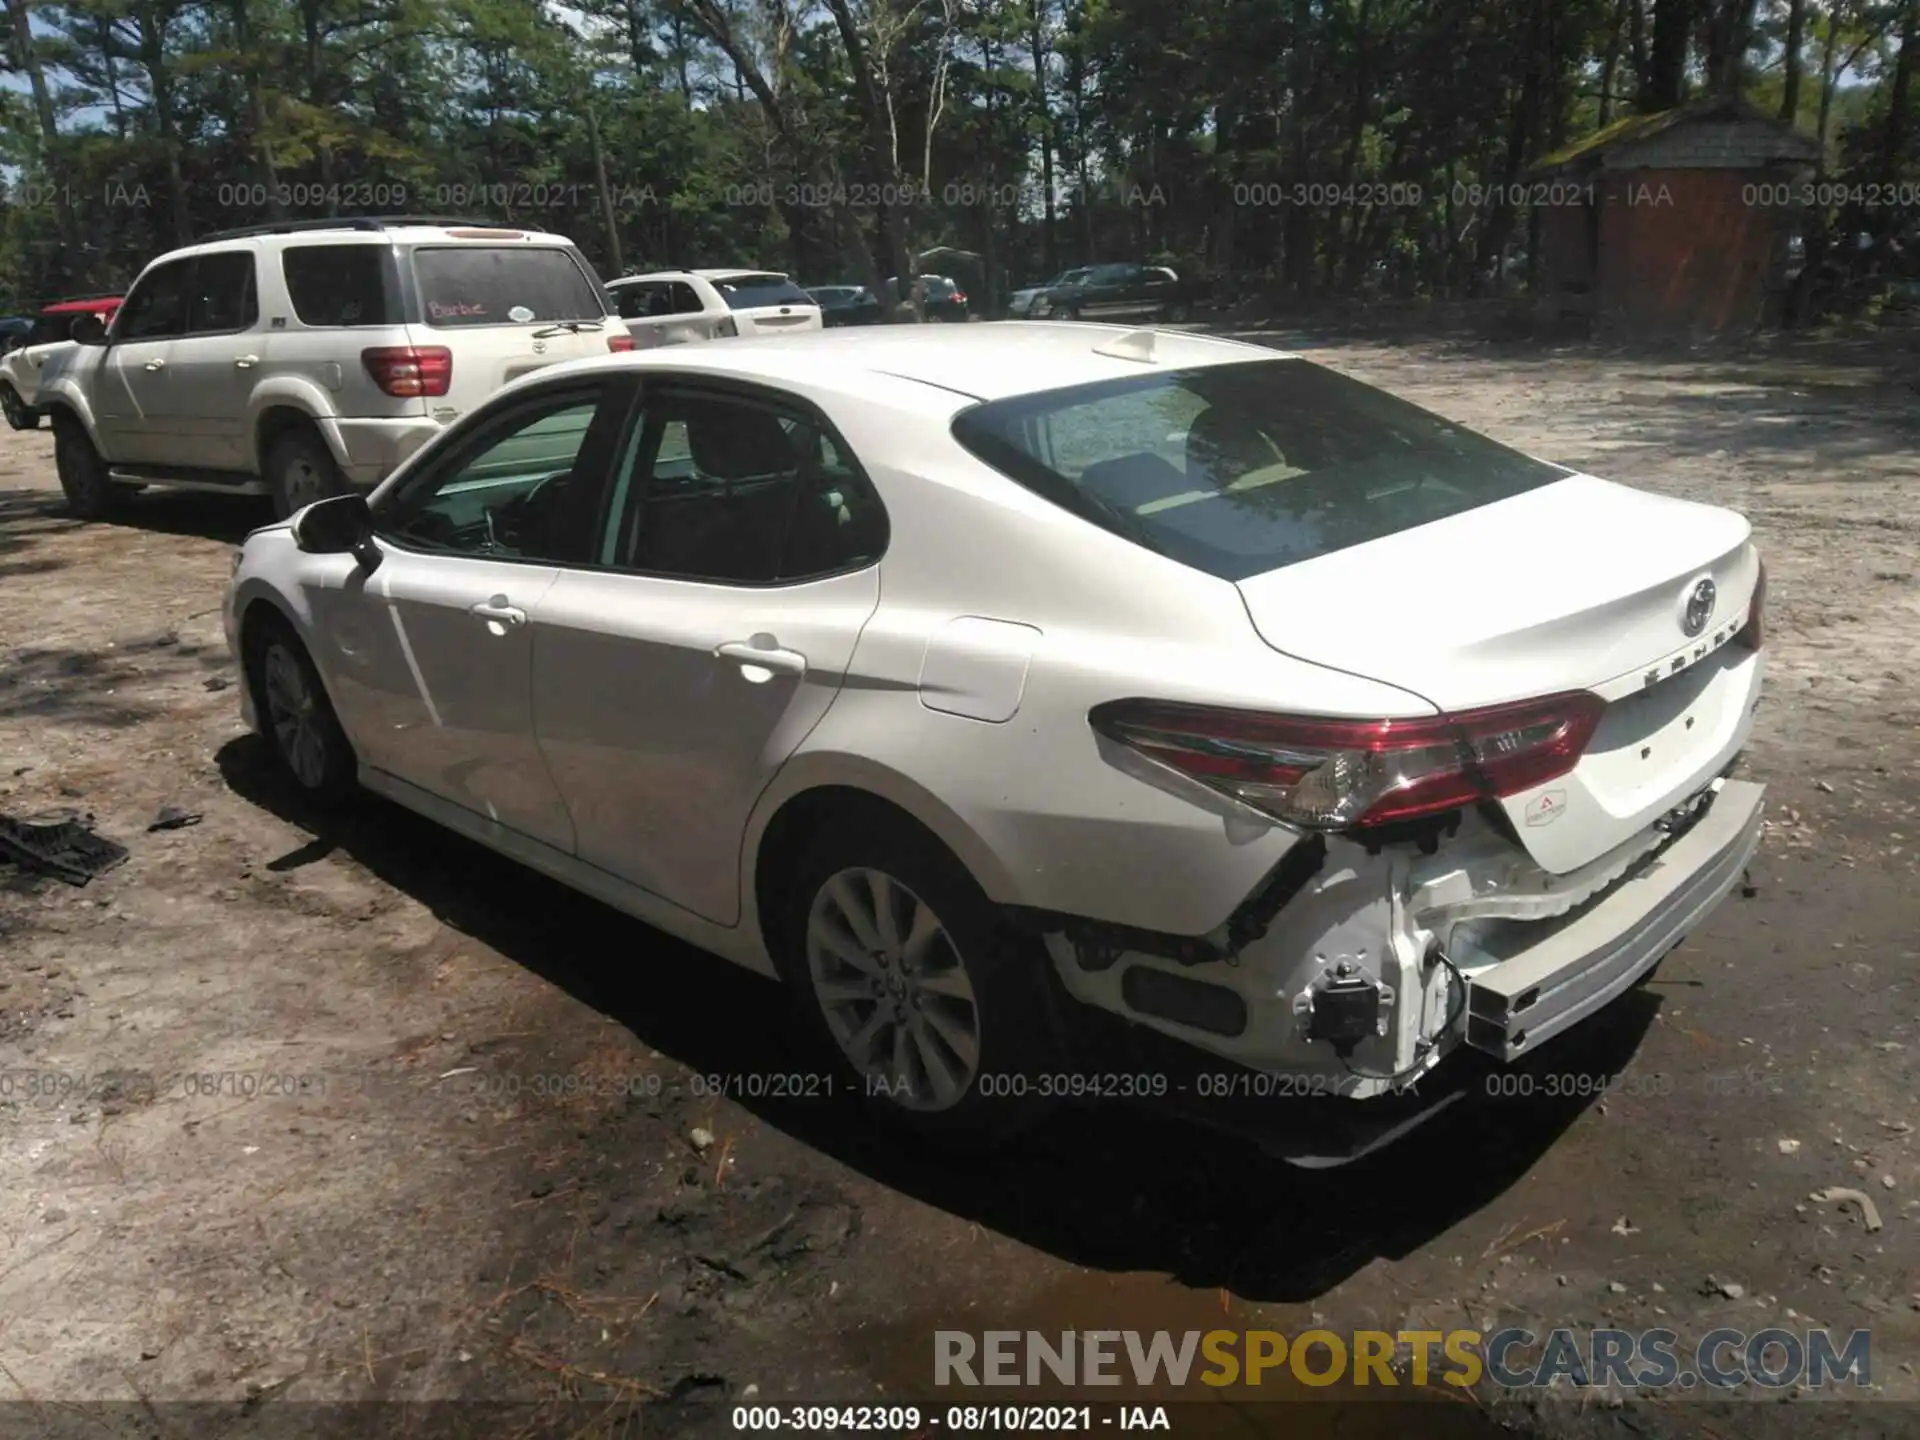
(1240, 469)
(747, 292)
(503, 285)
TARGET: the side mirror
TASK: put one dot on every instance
(88, 330)
(341, 525)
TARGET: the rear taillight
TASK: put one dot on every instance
(725, 326)
(617, 343)
(1753, 633)
(1339, 774)
(960, 296)
(405, 370)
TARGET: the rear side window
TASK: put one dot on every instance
(725, 490)
(341, 284)
(503, 285)
(747, 292)
(1240, 469)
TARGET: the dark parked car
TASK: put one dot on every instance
(1114, 292)
(847, 305)
(944, 299)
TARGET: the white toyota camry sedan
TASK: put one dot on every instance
(974, 680)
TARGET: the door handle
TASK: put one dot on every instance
(246, 362)
(497, 609)
(156, 364)
(770, 657)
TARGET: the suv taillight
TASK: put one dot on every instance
(405, 370)
(617, 343)
(1339, 774)
(1753, 633)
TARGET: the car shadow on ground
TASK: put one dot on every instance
(26, 515)
(1108, 1187)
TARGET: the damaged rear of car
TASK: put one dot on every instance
(1549, 812)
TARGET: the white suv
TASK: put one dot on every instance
(302, 359)
(671, 307)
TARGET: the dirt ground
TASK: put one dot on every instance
(300, 1112)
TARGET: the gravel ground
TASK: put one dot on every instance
(354, 1111)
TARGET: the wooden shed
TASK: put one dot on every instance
(1672, 223)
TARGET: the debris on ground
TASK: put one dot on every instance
(1787, 1147)
(1725, 1288)
(1837, 1195)
(702, 1138)
(1623, 1226)
(172, 817)
(66, 849)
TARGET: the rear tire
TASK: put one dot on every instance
(300, 470)
(19, 415)
(909, 985)
(298, 719)
(83, 473)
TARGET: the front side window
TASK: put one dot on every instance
(1244, 468)
(157, 308)
(224, 298)
(525, 487)
(463, 285)
(729, 490)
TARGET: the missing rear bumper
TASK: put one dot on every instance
(1535, 985)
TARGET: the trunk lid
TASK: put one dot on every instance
(767, 303)
(505, 311)
(1578, 585)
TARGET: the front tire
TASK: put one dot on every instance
(83, 472)
(298, 719)
(19, 415)
(908, 982)
(300, 470)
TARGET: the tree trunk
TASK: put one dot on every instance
(1667, 59)
(1610, 62)
(26, 58)
(1900, 94)
(867, 102)
(1795, 40)
(150, 23)
(1729, 27)
(1049, 245)
(256, 104)
(614, 257)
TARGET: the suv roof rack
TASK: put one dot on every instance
(359, 222)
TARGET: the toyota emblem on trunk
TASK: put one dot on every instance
(1699, 608)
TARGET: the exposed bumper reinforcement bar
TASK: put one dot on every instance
(1545, 984)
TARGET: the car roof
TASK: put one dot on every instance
(979, 362)
(355, 232)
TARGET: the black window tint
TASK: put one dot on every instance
(526, 487)
(729, 490)
(503, 285)
(50, 328)
(632, 300)
(685, 300)
(157, 307)
(341, 284)
(746, 292)
(1240, 469)
(223, 293)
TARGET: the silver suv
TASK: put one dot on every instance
(303, 359)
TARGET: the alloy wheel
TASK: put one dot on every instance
(894, 990)
(294, 717)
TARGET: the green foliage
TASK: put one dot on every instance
(1274, 143)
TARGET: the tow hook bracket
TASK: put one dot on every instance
(1346, 1007)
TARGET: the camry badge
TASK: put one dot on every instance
(1699, 608)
